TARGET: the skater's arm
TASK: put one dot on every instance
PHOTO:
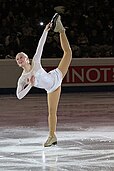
(22, 89)
(39, 50)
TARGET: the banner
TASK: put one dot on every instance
(82, 72)
(90, 75)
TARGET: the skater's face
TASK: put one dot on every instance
(22, 59)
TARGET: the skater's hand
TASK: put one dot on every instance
(31, 80)
(48, 26)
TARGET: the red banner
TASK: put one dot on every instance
(89, 75)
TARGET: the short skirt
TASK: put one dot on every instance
(57, 75)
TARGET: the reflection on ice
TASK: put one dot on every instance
(82, 150)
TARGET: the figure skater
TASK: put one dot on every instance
(34, 75)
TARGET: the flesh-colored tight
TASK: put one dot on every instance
(53, 98)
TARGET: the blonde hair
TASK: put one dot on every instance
(22, 53)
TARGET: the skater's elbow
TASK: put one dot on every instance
(19, 96)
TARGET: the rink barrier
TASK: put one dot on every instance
(83, 72)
